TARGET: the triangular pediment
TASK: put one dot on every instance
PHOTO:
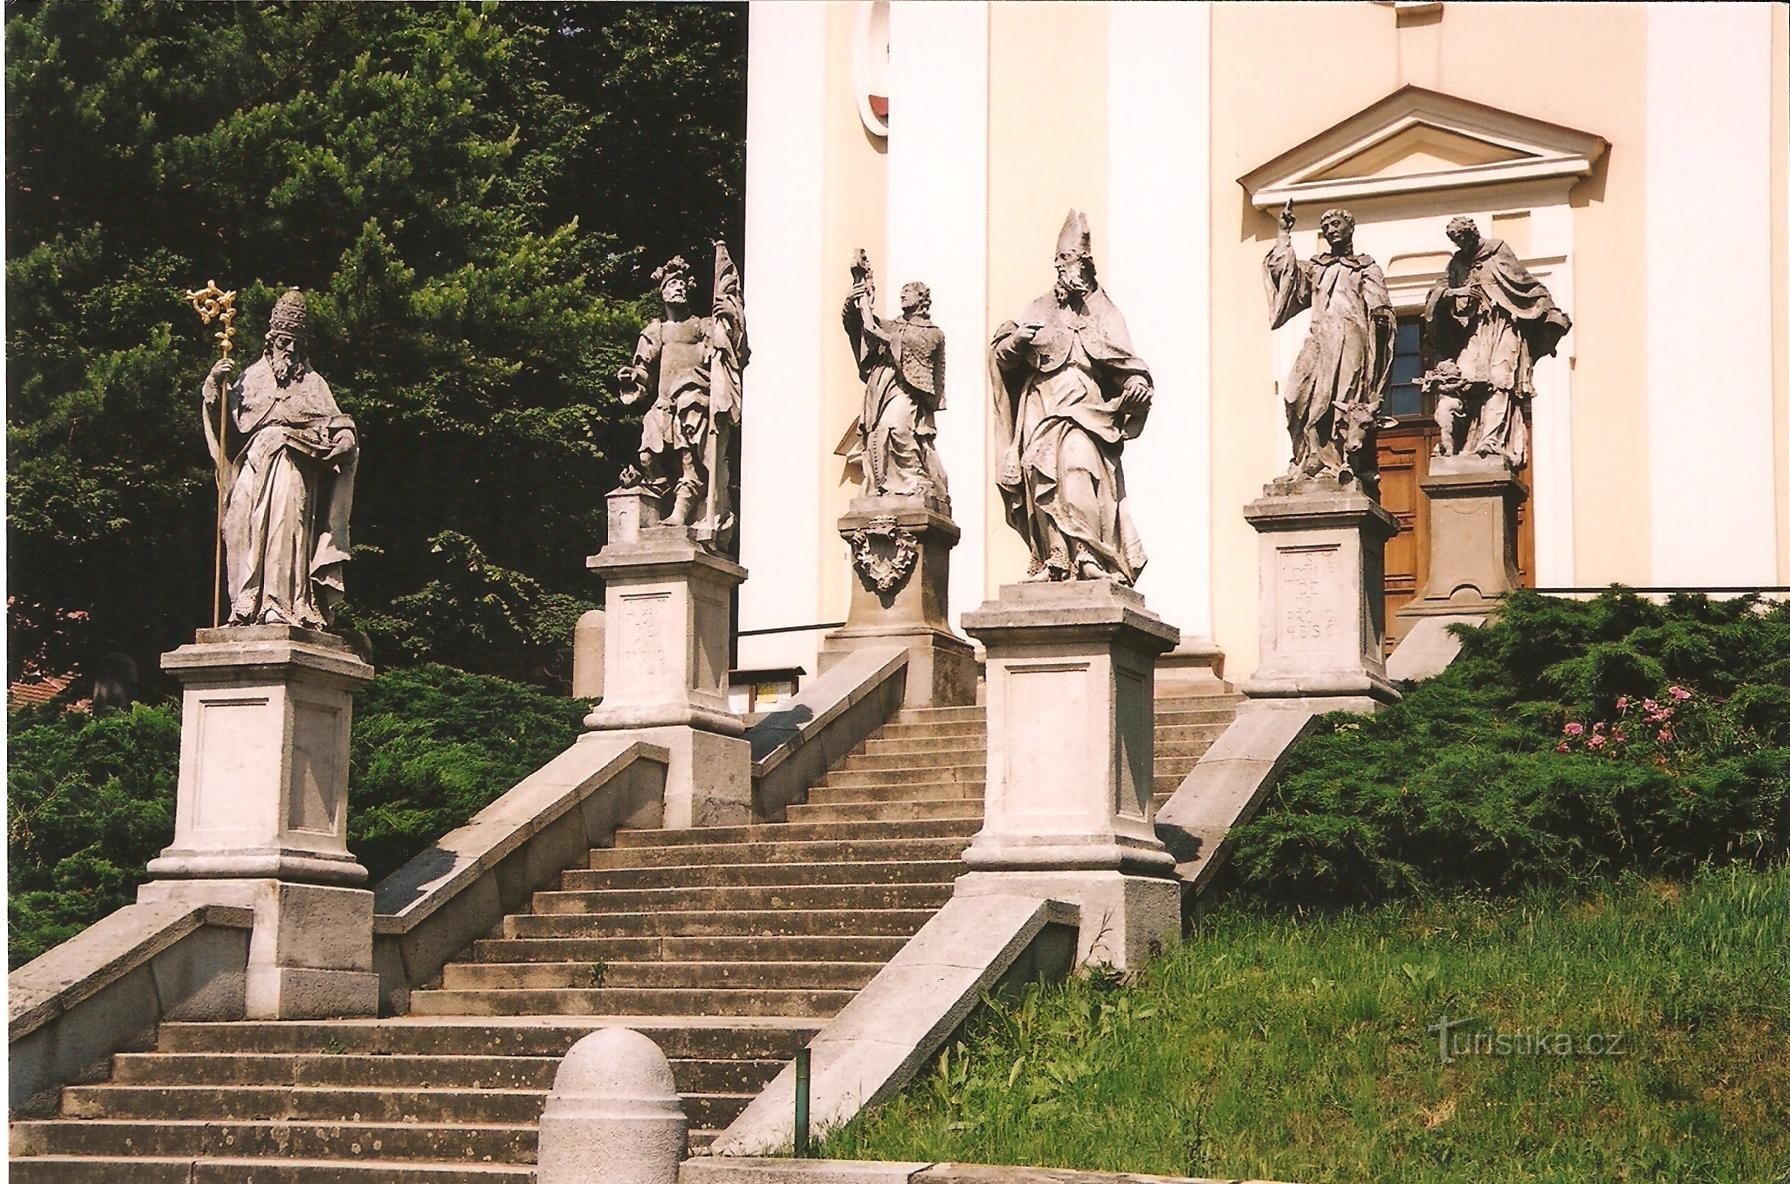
(1415, 140)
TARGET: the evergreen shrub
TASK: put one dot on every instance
(90, 798)
(1569, 741)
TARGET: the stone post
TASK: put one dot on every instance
(1071, 726)
(261, 818)
(1472, 560)
(613, 1114)
(668, 614)
(1473, 539)
(1323, 611)
(901, 552)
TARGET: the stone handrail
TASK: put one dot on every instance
(898, 1022)
(105, 990)
(432, 908)
(794, 746)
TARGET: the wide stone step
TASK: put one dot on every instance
(797, 851)
(781, 896)
(406, 1071)
(969, 807)
(909, 761)
(139, 1169)
(942, 715)
(976, 728)
(679, 1036)
(735, 923)
(689, 949)
(629, 1001)
(458, 1141)
(1227, 702)
(1220, 717)
(1188, 733)
(928, 871)
(897, 791)
(790, 975)
(965, 775)
(880, 745)
(1173, 748)
(284, 1103)
(828, 832)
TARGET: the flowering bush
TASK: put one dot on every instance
(1570, 740)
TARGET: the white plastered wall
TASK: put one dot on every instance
(938, 234)
(783, 419)
(1156, 264)
(1708, 337)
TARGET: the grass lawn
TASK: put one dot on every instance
(1645, 1033)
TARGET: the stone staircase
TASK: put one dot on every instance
(730, 946)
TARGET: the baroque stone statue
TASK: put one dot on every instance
(1338, 382)
(289, 456)
(691, 366)
(902, 364)
(1068, 393)
(1486, 321)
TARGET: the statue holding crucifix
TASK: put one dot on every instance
(690, 365)
(286, 457)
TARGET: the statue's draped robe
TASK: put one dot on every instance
(1060, 433)
(1346, 357)
(902, 363)
(1494, 338)
(286, 510)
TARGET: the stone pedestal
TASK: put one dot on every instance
(1473, 538)
(1071, 674)
(901, 554)
(1323, 616)
(668, 611)
(261, 819)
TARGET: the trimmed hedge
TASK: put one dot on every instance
(1570, 740)
(90, 799)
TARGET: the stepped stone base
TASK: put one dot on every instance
(311, 955)
(1126, 920)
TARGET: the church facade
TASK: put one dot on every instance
(1632, 156)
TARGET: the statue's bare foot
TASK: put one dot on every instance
(1087, 569)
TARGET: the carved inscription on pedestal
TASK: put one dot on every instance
(643, 634)
(1306, 600)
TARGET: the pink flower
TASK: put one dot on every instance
(1649, 706)
(1574, 729)
(1621, 702)
(1665, 735)
(1617, 735)
(1562, 747)
(1595, 743)
(1678, 693)
(1597, 727)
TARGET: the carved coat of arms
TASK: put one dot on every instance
(883, 553)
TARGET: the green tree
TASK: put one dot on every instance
(462, 192)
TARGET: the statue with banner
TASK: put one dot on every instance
(690, 366)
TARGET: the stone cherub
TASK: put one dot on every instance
(691, 366)
(1068, 393)
(1338, 382)
(902, 364)
(289, 457)
(1489, 319)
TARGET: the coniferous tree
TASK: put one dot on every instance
(463, 193)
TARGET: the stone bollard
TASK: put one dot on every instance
(613, 1115)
